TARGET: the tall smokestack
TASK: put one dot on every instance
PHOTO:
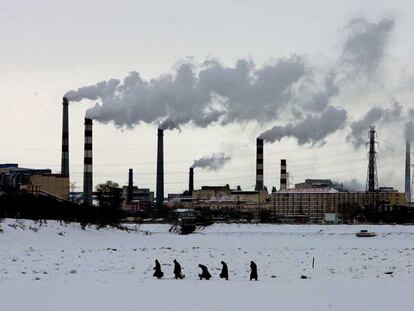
(87, 163)
(160, 170)
(191, 181)
(283, 175)
(65, 139)
(408, 172)
(259, 164)
(130, 185)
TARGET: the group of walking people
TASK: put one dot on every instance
(205, 274)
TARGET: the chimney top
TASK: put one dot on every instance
(88, 121)
(65, 101)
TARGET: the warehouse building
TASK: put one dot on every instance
(36, 181)
(318, 205)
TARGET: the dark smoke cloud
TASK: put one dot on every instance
(169, 124)
(201, 95)
(366, 44)
(313, 129)
(362, 53)
(352, 185)
(213, 93)
(374, 116)
(212, 162)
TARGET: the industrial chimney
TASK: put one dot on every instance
(65, 139)
(130, 186)
(191, 181)
(259, 164)
(87, 164)
(408, 172)
(283, 175)
(160, 170)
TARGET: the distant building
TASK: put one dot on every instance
(141, 198)
(316, 205)
(36, 181)
(222, 198)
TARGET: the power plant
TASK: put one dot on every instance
(283, 175)
(372, 176)
(259, 164)
(65, 139)
(87, 164)
(160, 170)
(191, 181)
(315, 200)
(407, 180)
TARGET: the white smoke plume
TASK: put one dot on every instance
(312, 129)
(211, 93)
(374, 116)
(201, 94)
(212, 162)
(362, 54)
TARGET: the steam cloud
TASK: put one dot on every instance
(365, 46)
(211, 93)
(212, 162)
(375, 115)
(312, 129)
(362, 54)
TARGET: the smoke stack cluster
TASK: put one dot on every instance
(87, 163)
(191, 181)
(408, 172)
(65, 139)
(259, 164)
(283, 175)
(130, 185)
(160, 170)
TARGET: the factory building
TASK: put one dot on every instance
(222, 198)
(36, 181)
(316, 205)
(141, 198)
(134, 198)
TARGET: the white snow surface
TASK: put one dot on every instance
(55, 266)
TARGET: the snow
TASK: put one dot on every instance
(62, 267)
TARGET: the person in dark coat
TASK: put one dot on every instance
(204, 273)
(177, 270)
(157, 270)
(253, 271)
(224, 271)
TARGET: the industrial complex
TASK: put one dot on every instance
(311, 201)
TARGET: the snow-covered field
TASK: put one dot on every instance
(62, 267)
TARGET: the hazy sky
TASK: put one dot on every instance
(50, 47)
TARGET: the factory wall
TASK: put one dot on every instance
(314, 205)
(54, 184)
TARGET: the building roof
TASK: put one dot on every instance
(308, 190)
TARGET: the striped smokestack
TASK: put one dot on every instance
(408, 172)
(191, 181)
(87, 164)
(283, 175)
(160, 170)
(259, 164)
(130, 185)
(64, 170)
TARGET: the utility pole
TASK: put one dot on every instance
(372, 177)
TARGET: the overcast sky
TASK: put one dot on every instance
(342, 64)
